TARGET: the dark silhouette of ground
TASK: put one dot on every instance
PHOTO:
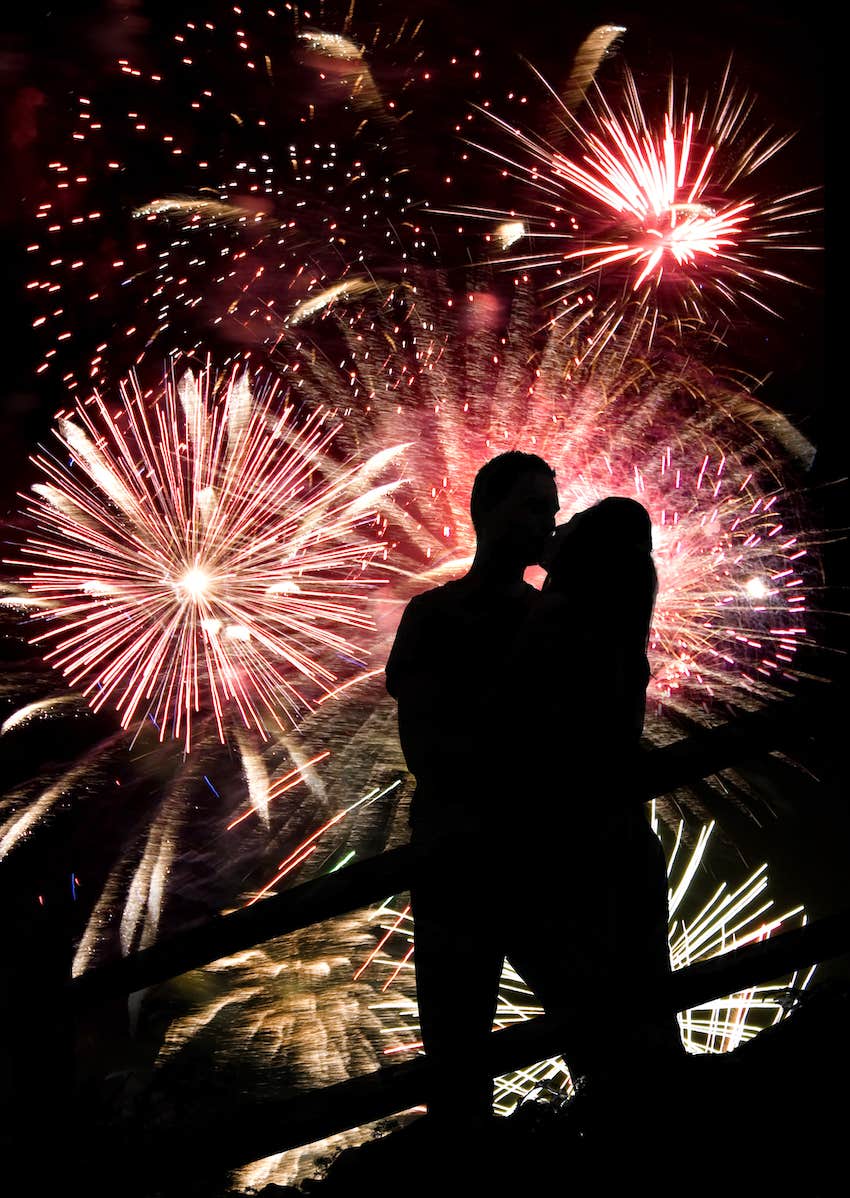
(769, 1114)
(768, 1117)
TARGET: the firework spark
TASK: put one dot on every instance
(202, 552)
(273, 151)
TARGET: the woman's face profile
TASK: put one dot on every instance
(600, 533)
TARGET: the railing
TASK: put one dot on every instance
(359, 885)
(255, 1129)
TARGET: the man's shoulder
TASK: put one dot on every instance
(437, 598)
(463, 593)
(431, 613)
(420, 611)
(421, 630)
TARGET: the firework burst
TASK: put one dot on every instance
(273, 151)
(461, 377)
(201, 552)
(644, 216)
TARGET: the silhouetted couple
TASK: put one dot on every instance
(520, 713)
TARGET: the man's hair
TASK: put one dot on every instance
(497, 477)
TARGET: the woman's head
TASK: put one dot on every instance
(621, 523)
(599, 540)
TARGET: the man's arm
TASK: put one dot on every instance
(432, 742)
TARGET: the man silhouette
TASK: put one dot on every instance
(448, 669)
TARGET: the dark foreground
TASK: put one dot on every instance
(770, 1117)
(771, 1114)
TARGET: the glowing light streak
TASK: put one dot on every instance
(30, 711)
(22, 822)
(293, 778)
(349, 856)
(376, 951)
(351, 682)
(296, 860)
(308, 846)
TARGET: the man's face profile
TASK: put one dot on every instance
(522, 522)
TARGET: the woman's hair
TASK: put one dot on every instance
(603, 558)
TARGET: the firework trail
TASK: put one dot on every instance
(644, 216)
(181, 838)
(201, 552)
(596, 47)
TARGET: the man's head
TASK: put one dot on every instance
(513, 504)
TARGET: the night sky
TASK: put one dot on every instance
(51, 51)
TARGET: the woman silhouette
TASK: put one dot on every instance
(583, 677)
